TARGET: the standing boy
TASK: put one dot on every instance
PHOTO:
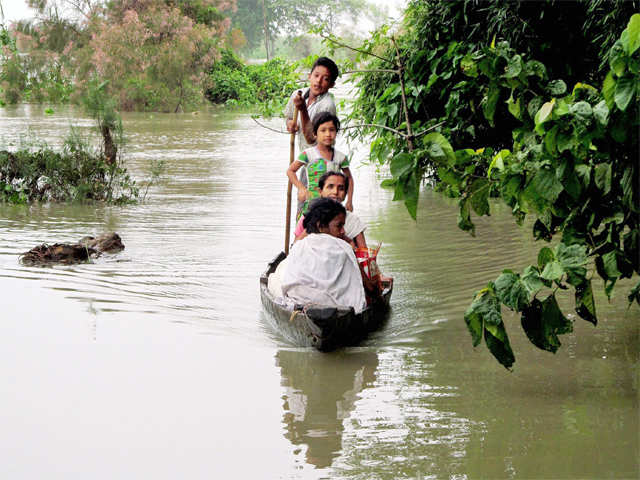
(310, 102)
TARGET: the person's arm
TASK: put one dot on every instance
(299, 233)
(305, 121)
(349, 204)
(303, 193)
(360, 241)
(301, 236)
(288, 114)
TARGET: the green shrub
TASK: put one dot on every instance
(233, 83)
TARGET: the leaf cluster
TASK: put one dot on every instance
(520, 128)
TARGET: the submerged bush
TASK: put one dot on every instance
(78, 173)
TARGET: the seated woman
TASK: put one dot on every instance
(322, 268)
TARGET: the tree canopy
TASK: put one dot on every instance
(534, 103)
(153, 54)
(263, 20)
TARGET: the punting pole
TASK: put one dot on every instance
(292, 151)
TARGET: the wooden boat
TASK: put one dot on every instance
(323, 327)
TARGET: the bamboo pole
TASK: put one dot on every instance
(292, 151)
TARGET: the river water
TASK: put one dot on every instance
(158, 362)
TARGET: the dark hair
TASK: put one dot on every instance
(326, 175)
(329, 65)
(324, 117)
(321, 212)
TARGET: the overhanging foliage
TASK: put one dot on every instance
(519, 127)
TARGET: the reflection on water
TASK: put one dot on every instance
(163, 351)
(320, 393)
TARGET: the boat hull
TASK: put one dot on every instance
(322, 327)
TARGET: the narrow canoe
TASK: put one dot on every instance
(322, 327)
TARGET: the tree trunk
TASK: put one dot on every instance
(110, 149)
(266, 30)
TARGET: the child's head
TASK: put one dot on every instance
(333, 185)
(325, 216)
(323, 76)
(325, 117)
(330, 65)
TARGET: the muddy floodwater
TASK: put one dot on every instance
(159, 363)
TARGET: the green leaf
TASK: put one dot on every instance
(557, 87)
(514, 67)
(541, 231)
(439, 139)
(398, 193)
(401, 164)
(569, 179)
(411, 192)
(609, 89)
(468, 66)
(608, 287)
(573, 259)
(388, 184)
(634, 34)
(533, 67)
(625, 91)
(610, 264)
(534, 105)
(584, 174)
(562, 108)
(547, 184)
(601, 113)
(391, 92)
(554, 318)
(511, 291)
(498, 161)
(514, 107)
(466, 156)
(474, 323)
(479, 196)
(565, 142)
(585, 305)
(581, 111)
(489, 103)
(450, 178)
(634, 294)
(552, 271)
(543, 322)
(544, 113)
(602, 177)
(531, 280)
(495, 336)
(617, 58)
(550, 140)
(627, 188)
(487, 305)
(464, 217)
(436, 154)
(432, 79)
